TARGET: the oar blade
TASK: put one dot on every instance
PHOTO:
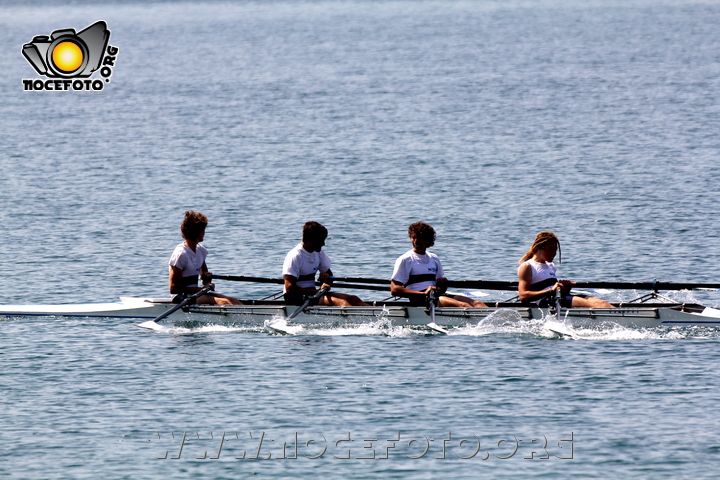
(151, 325)
(563, 334)
(431, 306)
(177, 307)
(280, 326)
(436, 328)
(276, 329)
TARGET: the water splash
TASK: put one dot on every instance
(382, 326)
(278, 324)
(200, 328)
(509, 322)
(501, 322)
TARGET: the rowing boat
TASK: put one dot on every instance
(399, 313)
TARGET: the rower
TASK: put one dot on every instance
(302, 264)
(187, 263)
(537, 277)
(418, 271)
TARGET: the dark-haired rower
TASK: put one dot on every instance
(302, 264)
(187, 264)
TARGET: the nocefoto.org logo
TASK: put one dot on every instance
(69, 58)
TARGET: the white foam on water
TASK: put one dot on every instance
(278, 322)
(509, 322)
(381, 327)
(225, 328)
(501, 322)
(207, 328)
(151, 325)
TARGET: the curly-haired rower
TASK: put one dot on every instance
(187, 264)
(418, 271)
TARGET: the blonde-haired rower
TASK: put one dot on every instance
(537, 279)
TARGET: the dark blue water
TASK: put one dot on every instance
(491, 121)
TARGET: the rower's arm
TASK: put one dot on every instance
(524, 279)
(176, 285)
(291, 286)
(206, 276)
(397, 289)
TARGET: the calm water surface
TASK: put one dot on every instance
(489, 120)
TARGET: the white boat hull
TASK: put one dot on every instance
(123, 309)
(399, 314)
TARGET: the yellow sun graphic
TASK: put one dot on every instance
(67, 56)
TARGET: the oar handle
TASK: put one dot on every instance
(187, 300)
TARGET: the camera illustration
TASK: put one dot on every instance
(66, 53)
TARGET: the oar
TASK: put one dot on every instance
(432, 325)
(558, 298)
(280, 281)
(655, 286)
(358, 286)
(558, 317)
(380, 281)
(319, 294)
(240, 278)
(497, 285)
(180, 305)
(486, 284)
(281, 330)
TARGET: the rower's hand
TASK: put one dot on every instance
(562, 286)
(323, 276)
(211, 285)
(442, 284)
(566, 285)
(206, 278)
(325, 285)
(429, 289)
(432, 296)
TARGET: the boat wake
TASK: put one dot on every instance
(377, 328)
(186, 328)
(279, 325)
(381, 327)
(508, 322)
